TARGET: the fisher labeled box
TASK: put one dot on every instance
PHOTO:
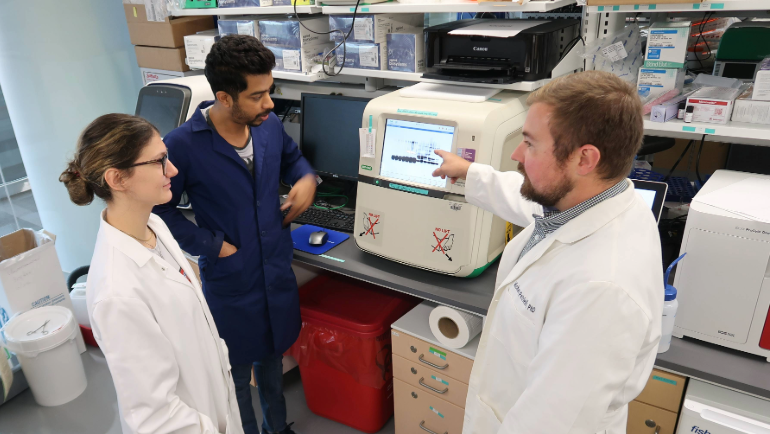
(361, 55)
(406, 52)
(374, 27)
(289, 33)
(713, 105)
(657, 81)
(238, 27)
(303, 59)
(197, 47)
(667, 45)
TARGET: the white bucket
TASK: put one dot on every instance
(44, 340)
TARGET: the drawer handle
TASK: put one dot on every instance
(431, 364)
(430, 388)
(422, 427)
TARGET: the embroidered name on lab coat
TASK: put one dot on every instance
(523, 298)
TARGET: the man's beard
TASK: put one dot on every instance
(545, 198)
(240, 117)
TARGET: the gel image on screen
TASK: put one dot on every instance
(407, 151)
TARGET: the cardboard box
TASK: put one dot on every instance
(635, 2)
(288, 33)
(713, 105)
(667, 44)
(657, 81)
(302, 59)
(663, 390)
(751, 111)
(375, 27)
(31, 275)
(238, 27)
(169, 33)
(170, 59)
(149, 75)
(361, 55)
(406, 52)
(197, 47)
(762, 82)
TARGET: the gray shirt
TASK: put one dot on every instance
(246, 153)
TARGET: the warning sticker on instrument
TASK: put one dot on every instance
(442, 241)
(373, 224)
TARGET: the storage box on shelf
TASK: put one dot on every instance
(656, 409)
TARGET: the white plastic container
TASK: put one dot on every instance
(670, 306)
(79, 306)
(44, 340)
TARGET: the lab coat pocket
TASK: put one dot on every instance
(518, 334)
(227, 273)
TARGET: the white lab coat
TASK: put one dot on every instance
(573, 328)
(169, 366)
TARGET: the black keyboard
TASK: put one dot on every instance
(330, 219)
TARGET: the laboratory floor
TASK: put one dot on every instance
(305, 422)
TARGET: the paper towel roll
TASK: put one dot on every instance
(454, 329)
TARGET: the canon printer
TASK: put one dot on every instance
(497, 51)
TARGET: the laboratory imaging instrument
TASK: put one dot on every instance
(168, 104)
(405, 214)
(724, 281)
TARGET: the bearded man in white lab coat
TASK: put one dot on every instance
(573, 328)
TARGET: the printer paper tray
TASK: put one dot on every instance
(472, 77)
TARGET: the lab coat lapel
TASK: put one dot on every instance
(259, 142)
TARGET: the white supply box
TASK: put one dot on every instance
(406, 52)
(198, 46)
(306, 59)
(713, 105)
(289, 33)
(667, 45)
(762, 82)
(657, 81)
(150, 75)
(238, 26)
(751, 111)
(716, 410)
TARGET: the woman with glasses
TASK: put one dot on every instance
(148, 314)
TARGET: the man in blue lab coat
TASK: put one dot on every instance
(231, 156)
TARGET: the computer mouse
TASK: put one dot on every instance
(318, 239)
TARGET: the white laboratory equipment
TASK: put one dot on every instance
(710, 409)
(670, 305)
(724, 285)
(405, 214)
(44, 340)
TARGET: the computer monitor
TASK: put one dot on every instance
(329, 133)
(165, 106)
(654, 193)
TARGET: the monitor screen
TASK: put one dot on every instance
(648, 196)
(653, 193)
(329, 133)
(407, 151)
(164, 112)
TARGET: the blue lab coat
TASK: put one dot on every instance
(253, 293)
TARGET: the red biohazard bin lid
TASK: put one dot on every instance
(354, 305)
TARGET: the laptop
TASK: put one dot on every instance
(654, 193)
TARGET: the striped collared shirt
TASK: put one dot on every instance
(553, 219)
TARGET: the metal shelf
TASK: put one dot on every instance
(525, 86)
(710, 6)
(395, 7)
(732, 132)
(267, 10)
(299, 76)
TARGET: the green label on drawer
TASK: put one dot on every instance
(437, 353)
(436, 411)
(665, 380)
(439, 380)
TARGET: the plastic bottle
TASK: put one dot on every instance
(670, 306)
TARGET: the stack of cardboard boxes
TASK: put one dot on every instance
(160, 45)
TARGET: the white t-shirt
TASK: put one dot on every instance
(246, 153)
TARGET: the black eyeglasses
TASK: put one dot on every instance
(163, 160)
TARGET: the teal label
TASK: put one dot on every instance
(495, 99)
(436, 411)
(332, 258)
(662, 64)
(616, 8)
(408, 189)
(364, 9)
(717, 5)
(365, 167)
(370, 123)
(439, 380)
(636, 7)
(696, 6)
(601, 8)
(688, 129)
(653, 7)
(437, 353)
(665, 380)
(711, 131)
(416, 112)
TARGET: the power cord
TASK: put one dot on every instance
(670, 172)
(333, 51)
(706, 17)
(697, 162)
